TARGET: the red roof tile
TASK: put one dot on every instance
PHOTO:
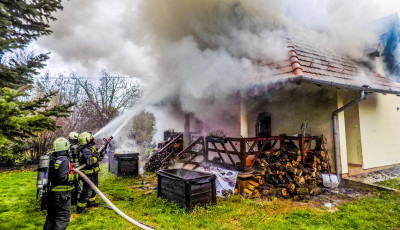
(307, 63)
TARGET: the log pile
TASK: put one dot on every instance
(282, 173)
(154, 162)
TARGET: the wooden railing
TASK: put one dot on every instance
(231, 152)
(172, 147)
(191, 153)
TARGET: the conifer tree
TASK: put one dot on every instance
(21, 22)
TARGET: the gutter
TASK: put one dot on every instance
(299, 79)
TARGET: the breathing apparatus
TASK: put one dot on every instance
(74, 151)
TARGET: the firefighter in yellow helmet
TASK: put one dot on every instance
(73, 140)
(73, 156)
(61, 179)
(89, 156)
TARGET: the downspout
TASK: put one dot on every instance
(335, 129)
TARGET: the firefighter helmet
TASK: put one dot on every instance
(60, 144)
(84, 138)
(73, 135)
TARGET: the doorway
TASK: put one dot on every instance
(353, 138)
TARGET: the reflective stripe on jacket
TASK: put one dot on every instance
(62, 188)
(90, 171)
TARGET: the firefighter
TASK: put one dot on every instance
(89, 156)
(73, 137)
(74, 144)
(61, 179)
(73, 155)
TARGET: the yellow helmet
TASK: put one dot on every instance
(73, 135)
(84, 138)
(60, 144)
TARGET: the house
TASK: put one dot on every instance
(352, 104)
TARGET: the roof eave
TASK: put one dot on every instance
(300, 78)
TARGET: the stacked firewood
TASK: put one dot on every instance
(155, 161)
(282, 173)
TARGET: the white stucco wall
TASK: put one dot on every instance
(380, 130)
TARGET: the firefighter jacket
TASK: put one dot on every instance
(61, 175)
(90, 157)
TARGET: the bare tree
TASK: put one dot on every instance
(96, 103)
(103, 101)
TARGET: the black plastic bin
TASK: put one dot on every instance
(126, 164)
(186, 187)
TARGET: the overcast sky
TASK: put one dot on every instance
(90, 35)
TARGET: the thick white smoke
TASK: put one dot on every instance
(201, 53)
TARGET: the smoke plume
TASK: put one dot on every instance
(200, 54)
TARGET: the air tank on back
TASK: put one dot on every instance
(43, 169)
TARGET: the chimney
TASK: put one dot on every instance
(186, 131)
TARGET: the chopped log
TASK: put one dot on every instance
(278, 166)
(277, 153)
(305, 197)
(275, 192)
(302, 180)
(312, 182)
(321, 154)
(288, 178)
(253, 183)
(266, 186)
(284, 192)
(317, 160)
(256, 194)
(296, 197)
(274, 181)
(306, 171)
(247, 192)
(299, 172)
(315, 191)
(261, 180)
(291, 170)
(266, 192)
(302, 191)
(251, 187)
(291, 187)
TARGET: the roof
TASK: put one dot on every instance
(321, 66)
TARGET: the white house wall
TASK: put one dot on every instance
(380, 130)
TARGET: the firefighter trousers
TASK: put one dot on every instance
(88, 193)
(58, 212)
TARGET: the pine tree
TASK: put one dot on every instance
(21, 22)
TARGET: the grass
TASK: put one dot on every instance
(392, 183)
(20, 210)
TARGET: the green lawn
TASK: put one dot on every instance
(392, 183)
(20, 210)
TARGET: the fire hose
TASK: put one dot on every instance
(104, 198)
